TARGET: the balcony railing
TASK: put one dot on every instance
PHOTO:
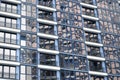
(95, 66)
(8, 25)
(90, 24)
(8, 40)
(88, 1)
(47, 3)
(47, 46)
(9, 10)
(88, 13)
(47, 29)
(46, 17)
(92, 37)
(50, 63)
(8, 57)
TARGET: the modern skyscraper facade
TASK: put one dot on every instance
(59, 40)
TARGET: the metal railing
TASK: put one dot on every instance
(46, 29)
(8, 25)
(9, 10)
(48, 62)
(88, 13)
(47, 3)
(87, 1)
(47, 46)
(46, 17)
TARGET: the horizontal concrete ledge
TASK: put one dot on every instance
(9, 63)
(98, 73)
(9, 45)
(9, 29)
(119, 2)
(10, 14)
(47, 21)
(49, 67)
(93, 44)
(47, 36)
(48, 51)
(96, 58)
(90, 17)
(7, 79)
(46, 8)
(91, 30)
(88, 5)
(13, 1)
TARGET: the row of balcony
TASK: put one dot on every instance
(92, 32)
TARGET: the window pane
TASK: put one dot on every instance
(1, 34)
(13, 38)
(23, 69)
(7, 54)
(1, 53)
(13, 54)
(8, 8)
(0, 71)
(12, 72)
(6, 71)
(7, 38)
(22, 77)
(28, 70)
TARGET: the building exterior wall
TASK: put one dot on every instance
(59, 40)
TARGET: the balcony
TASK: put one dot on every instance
(91, 37)
(49, 67)
(49, 78)
(47, 36)
(88, 11)
(91, 30)
(48, 59)
(46, 17)
(95, 58)
(13, 1)
(10, 12)
(87, 1)
(46, 29)
(48, 75)
(93, 51)
(98, 73)
(10, 27)
(47, 44)
(93, 44)
(91, 24)
(88, 5)
(47, 3)
(90, 17)
(95, 66)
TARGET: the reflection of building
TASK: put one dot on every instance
(59, 40)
